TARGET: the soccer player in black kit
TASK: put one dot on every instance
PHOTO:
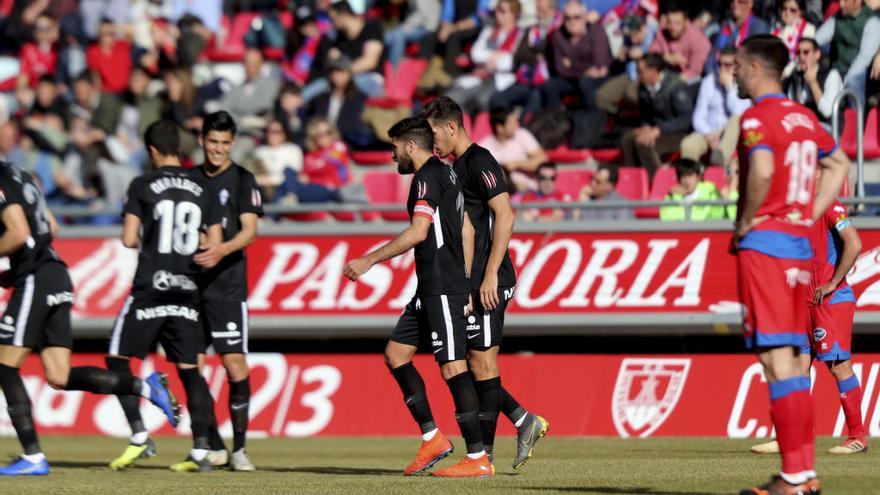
(169, 214)
(493, 279)
(38, 317)
(437, 314)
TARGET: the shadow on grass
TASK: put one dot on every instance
(94, 464)
(640, 490)
(333, 470)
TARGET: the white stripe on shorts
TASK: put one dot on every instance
(24, 311)
(244, 327)
(450, 338)
(117, 328)
(487, 330)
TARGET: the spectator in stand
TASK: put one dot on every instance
(422, 19)
(110, 57)
(249, 102)
(139, 111)
(274, 157)
(514, 148)
(602, 188)
(71, 56)
(530, 60)
(814, 84)
(359, 39)
(49, 102)
(460, 22)
(343, 105)
(716, 115)
(741, 24)
(10, 151)
(616, 19)
(665, 108)
(101, 109)
(546, 192)
(793, 27)
(302, 46)
(40, 56)
(853, 37)
(492, 55)
(623, 90)
(683, 46)
(581, 58)
(690, 188)
(210, 12)
(291, 112)
(325, 167)
(20, 23)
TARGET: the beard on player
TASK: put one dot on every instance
(405, 165)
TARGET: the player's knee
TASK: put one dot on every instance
(236, 367)
(453, 368)
(482, 366)
(57, 379)
(841, 369)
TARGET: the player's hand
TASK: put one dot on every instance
(355, 268)
(489, 291)
(740, 231)
(210, 255)
(822, 292)
(469, 309)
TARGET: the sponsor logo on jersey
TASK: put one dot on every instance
(749, 124)
(793, 276)
(59, 298)
(167, 310)
(472, 324)
(819, 333)
(163, 281)
(162, 184)
(256, 198)
(508, 293)
(435, 342)
(752, 138)
(794, 120)
(224, 196)
(31, 193)
(421, 189)
(645, 394)
(489, 179)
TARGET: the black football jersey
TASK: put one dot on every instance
(481, 180)
(237, 192)
(174, 205)
(19, 188)
(434, 192)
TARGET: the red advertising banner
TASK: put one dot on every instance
(563, 273)
(307, 395)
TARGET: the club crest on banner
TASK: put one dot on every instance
(645, 394)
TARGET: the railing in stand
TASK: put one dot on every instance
(860, 136)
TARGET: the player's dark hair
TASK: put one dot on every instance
(498, 116)
(813, 43)
(546, 166)
(219, 121)
(654, 61)
(676, 8)
(613, 174)
(444, 109)
(342, 7)
(727, 50)
(164, 136)
(84, 76)
(46, 78)
(769, 49)
(686, 166)
(415, 129)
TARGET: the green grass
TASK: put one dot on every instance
(373, 465)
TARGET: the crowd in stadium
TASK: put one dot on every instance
(314, 86)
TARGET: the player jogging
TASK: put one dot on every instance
(166, 212)
(439, 309)
(780, 144)
(493, 280)
(836, 245)
(38, 317)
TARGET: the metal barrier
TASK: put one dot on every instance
(860, 135)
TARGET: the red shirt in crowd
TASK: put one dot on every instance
(536, 197)
(36, 63)
(113, 66)
(328, 167)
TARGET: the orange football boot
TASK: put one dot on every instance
(430, 452)
(468, 468)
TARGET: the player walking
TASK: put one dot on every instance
(166, 212)
(836, 245)
(440, 306)
(780, 145)
(38, 317)
(493, 280)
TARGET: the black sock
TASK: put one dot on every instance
(130, 403)
(489, 393)
(467, 407)
(239, 403)
(101, 381)
(510, 407)
(19, 407)
(199, 403)
(413, 387)
(215, 441)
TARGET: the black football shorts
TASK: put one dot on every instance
(38, 313)
(435, 321)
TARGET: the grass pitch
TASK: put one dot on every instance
(373, 465)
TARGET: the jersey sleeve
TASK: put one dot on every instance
(428, 192)
(488, 176)
(824, 142)
(251, 200)
(754, 133)
(10, 193)
(133, 200)
(836, 216)
(213, 213)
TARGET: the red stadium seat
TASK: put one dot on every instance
(400, 86)
(468, 123)
(570, 181)
(371, 157)
(632, 183)
(384, 187)
(564, 154)
(871, 141)
(482, 127)
(716, 175)
(233, 47)
(664, 179)
(607, 155)
(848, 140)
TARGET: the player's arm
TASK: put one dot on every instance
(416, 233)
(502, 230)
(214, 251)
(468, 241)
(131, 231)
(757, 185)
(852, 246)
(835, 169)
(17, 229)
